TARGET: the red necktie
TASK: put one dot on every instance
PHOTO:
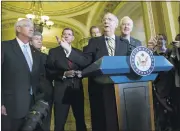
(70, 64)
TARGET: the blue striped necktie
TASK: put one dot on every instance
(28, 59)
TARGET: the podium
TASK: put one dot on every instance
(133, 93)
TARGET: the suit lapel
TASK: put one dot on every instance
(19, 52)
(125, 40)
(63, 57)
(35, 58)
(117, 46)
(103, 46)
(132, 41)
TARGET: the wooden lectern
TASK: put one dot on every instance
(134, 99)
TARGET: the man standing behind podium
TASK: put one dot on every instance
(21, 69)
(102, 99)
(126, 26)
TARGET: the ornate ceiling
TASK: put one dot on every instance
(79, 16)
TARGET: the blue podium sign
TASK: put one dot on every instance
(142, 61)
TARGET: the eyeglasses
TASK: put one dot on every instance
(107, 19)
(67, 35)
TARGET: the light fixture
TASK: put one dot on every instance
(37, 16)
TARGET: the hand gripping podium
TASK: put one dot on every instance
(134, 99)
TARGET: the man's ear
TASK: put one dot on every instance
(18, 29)
(73, 38)
(116, 25)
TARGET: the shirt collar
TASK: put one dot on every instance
(127, 38)
(21, 43)
(113, 36)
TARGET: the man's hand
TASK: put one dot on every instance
(3, 110)
(70, 73)
(79, 74)
(63, 43)
(152, 43)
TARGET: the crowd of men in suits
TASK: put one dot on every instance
(27, 74)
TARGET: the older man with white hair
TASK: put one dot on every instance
(126, 26)
(21, 69)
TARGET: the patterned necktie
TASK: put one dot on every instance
(28, 59)
(111, 46)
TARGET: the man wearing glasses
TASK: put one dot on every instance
(102, 96)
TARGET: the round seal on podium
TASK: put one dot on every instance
(142, 61)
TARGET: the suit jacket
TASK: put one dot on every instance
(133, 43)
(45, 86)
(96, 49)
(17, 78)
(56, 65)
(85, 48)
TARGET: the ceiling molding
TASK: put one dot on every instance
(126, 8)
(10, 23)
(81, 7)
(82, 18)
(93, 14)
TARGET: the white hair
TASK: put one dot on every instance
(125, 18)
(22, 22)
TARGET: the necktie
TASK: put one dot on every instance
(111, 46)
(69, 64)
(28, 59)
(29, 62)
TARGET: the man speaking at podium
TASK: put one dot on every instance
(102, 98)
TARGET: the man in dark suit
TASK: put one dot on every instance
(36, 42)
(21, 71)
(126, 26)
(102, 97)
(94, 32)
(68, 90)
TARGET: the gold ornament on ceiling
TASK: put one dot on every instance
(36, 14)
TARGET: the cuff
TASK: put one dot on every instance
(64, 77)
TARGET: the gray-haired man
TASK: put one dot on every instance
(36, 42)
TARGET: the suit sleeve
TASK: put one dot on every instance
(2, 63)
(45, 87)
(86, 58)
(52, 72)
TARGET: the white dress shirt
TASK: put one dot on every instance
(28, 48)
